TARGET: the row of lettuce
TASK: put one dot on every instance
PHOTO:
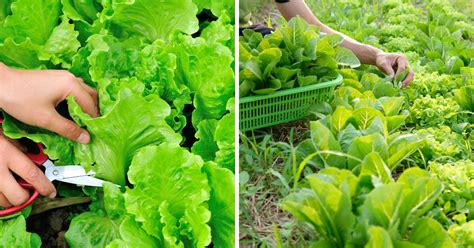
(166, 131)
(385, 167)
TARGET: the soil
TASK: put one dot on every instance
(52, 225)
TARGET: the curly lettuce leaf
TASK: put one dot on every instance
(221, 31)
(151, 64)
(20, 55)
(110, 226)
(225, 137)
(119, 134)
(216, 139)
(92, 229)
(206, 147)
(206, 69)
(98, 228)
(62, 45)
(13, 234)
(31, 19)
(84, 15)
(221, 204)
(82, 10)
(217, 7)
(58, 148)
(173, 177)
(4, 9)
(111, 58)
(132, 235)
(151, 19)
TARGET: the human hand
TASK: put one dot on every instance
(32, 95)
(387, 62)
(12, 159)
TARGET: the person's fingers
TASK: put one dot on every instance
(387, 68)
(4, 202)
(12, 141)
(401, 64)
(26, 169)
(408, 79)
(14, 193)
(53, 121)
(90, 90)
(85, 100)
(17, 144)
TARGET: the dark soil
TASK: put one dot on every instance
(52, 225)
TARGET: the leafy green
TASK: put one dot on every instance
(456, 203)
(465, 97)
(382, 218)
(427, 111)
(221, 204)
(172, 168)
(123, 137)
(42, 18)
(162, 79)
(139, 17)
(462, 234)
(13, 233)
(211, 88)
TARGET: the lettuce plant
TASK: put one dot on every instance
(345, 210)
(166, 131)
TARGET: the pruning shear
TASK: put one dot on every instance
(73, 174)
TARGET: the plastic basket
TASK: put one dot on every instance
(283, 106)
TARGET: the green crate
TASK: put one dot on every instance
(283, 106)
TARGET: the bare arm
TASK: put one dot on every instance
(387, 62)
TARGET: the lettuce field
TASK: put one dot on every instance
(377, 166)
(164, 74)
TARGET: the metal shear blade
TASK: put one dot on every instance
(73, 174)
(83, 180)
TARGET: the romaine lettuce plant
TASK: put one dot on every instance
(350, 211)
(166, 131)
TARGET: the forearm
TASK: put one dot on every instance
(3, 75)
(366, 54)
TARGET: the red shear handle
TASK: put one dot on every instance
(16, 209)
(38, 158)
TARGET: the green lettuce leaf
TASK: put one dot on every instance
(21, 55)
(166, 172)
(31, 19)
(13, 234)
(206, 69)
(62, 45)
(151, 19)
(152, 64)
(83, 10)
(430, 233)
(206, 147)
(92, 229)
(109, 226)
(221, 205)
(378, 238)
(115, 139)
(58, 148)
(84, 14)
(217, 7)
(225, 137)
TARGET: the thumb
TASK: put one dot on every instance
(65, 128)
